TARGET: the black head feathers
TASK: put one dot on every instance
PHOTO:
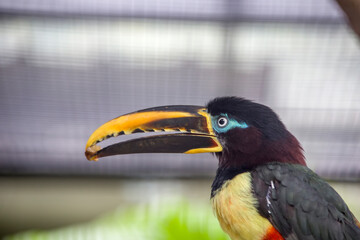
(254, 114)
(265, 140)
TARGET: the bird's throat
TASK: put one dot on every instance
(286, 150)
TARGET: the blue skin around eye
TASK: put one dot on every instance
(231, 124)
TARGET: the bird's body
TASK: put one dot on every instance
(280, 201)
(235, 206)
(263, 189)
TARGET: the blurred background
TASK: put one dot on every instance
(67, 67)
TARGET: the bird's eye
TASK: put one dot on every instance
(222, 122)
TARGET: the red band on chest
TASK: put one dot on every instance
(272, 234)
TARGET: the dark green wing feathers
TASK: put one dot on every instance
(300, 205)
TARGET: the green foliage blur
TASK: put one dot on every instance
(150, 221)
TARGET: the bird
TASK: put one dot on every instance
(263, 189)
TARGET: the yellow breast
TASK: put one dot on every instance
(235, 207)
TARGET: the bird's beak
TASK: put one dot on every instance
(194, 123)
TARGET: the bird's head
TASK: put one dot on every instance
(251, 134)
(241, 133)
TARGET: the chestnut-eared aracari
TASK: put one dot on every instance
(262, 189)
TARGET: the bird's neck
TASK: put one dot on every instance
(233, 163)
(285, 150)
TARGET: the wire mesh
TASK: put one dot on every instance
(66, 68)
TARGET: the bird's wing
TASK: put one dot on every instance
(302, 206)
